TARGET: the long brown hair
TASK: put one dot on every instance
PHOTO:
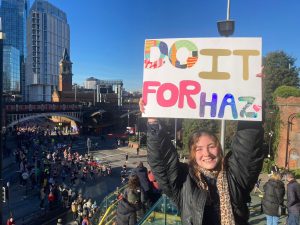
(194, 139)
(133, 182)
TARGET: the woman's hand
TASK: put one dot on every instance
(142, 109)
(142, 105)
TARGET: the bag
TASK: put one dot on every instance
(282, 210)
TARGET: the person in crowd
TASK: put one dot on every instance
(134, 186)
(293, 199)
(142, 172)
(127, 208)
(273, 198)
(74, 207)
(59, 221)
(211, 188)
(85, 220)
(42, 198)
(256, 187)
(10, 221)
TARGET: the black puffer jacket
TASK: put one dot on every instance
(273, 197)
(244, 163)
(293, 197)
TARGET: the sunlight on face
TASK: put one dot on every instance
(207, 154)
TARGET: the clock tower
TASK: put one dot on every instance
(65, 73)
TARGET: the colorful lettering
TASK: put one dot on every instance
(177, 94)
(212, 104)
(228, 100)
(191, 60)
(246, 54)
(249, 101)
(163, 48)
(214, 74)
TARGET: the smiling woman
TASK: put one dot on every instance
(211, 189)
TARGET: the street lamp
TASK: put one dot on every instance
(271, 135)
(1, 113)
(226, 27)
(289, 123)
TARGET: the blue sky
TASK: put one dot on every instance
(107, 37)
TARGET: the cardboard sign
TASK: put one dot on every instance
(206, 78)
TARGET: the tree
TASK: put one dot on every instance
(279, 69)
(191, 125)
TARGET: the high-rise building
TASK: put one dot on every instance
(14, 14)
(11, 69)
(48, 34)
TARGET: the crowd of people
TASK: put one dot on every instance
(273, 199)
(49, 164)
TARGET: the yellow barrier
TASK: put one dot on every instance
(106, 214)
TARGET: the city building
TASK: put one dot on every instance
(48, 35)
(90, 83)
(11, 70)
(66, 92)
(14, 14)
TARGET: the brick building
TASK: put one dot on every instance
(68, 93)
(289, 142)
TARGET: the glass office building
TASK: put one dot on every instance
(11, 69)
(14, 14)
(48, 34)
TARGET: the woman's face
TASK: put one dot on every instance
(207, 154)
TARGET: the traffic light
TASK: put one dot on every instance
(3, 194)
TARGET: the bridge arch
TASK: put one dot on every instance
(30, 117)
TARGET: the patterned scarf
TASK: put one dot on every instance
(227, 217)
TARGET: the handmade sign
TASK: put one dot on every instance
(209, 78)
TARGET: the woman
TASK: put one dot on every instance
(130, 206)
(273, 198)
(211, 189)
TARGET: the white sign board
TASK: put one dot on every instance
(208, 78)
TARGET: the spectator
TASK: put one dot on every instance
(293, 199)
(134, 187)
(59, 222)
(273, 198)
(256, 187)
(85, 221)
(10, 221)
(74, 207)
(142, 173)
(127, 209)
(42, 197)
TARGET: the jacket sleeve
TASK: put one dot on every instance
(280, 193)
(246, 156)
(163, 160)
(292, 194)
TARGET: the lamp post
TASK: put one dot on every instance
(1, 113)
(75, 95)
(289, 123)
(271, 135)
(225, 28)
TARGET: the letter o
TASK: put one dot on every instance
(161, 98)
